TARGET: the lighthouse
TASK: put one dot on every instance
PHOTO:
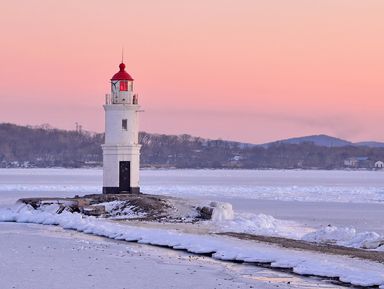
(121, 150)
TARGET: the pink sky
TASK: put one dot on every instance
(243, 70)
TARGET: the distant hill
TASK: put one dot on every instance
(371, 144)
(320, 140)
(327, 141)
(44, 146)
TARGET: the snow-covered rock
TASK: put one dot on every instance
(346, 237)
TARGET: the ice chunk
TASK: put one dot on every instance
(221, 211)
(346, 237)
(330, 234)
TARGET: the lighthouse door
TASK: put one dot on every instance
(125, 176)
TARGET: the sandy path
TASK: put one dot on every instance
(314, 247)
(205, 228)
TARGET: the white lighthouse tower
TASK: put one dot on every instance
(121, 150)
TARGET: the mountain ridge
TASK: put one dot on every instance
(326, 140)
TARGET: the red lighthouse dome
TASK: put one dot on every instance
(122, 74)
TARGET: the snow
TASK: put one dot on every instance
(283, 185)
(118, 210)
(354, 271)
(331, 234)
(221, 211)
(262, 224)
(48, 257)
(286, 185)
(365, 240)
(347, 237)
(50, 188)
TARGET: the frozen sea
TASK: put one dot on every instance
(281, 202)
(313, 198)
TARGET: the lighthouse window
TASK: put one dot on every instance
(124, 124)
(123, 85)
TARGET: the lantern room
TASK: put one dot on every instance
(122, 87)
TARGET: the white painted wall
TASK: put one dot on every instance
(112, 155)
(121, 144)
(114, 133)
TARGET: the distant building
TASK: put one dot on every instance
(350, 162)
(356, 162)
(236, 158)
(379, 165)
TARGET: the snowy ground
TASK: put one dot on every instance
(283, 203)
(46, 257)
(345, 269)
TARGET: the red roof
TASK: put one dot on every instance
(122, 74)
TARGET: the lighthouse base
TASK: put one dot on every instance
(117, 190)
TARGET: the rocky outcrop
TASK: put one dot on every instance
(129, 207)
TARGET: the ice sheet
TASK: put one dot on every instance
(286, 185)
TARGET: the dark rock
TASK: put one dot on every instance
(205, 212)
(93, 210)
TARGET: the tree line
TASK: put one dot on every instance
(44, 146)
